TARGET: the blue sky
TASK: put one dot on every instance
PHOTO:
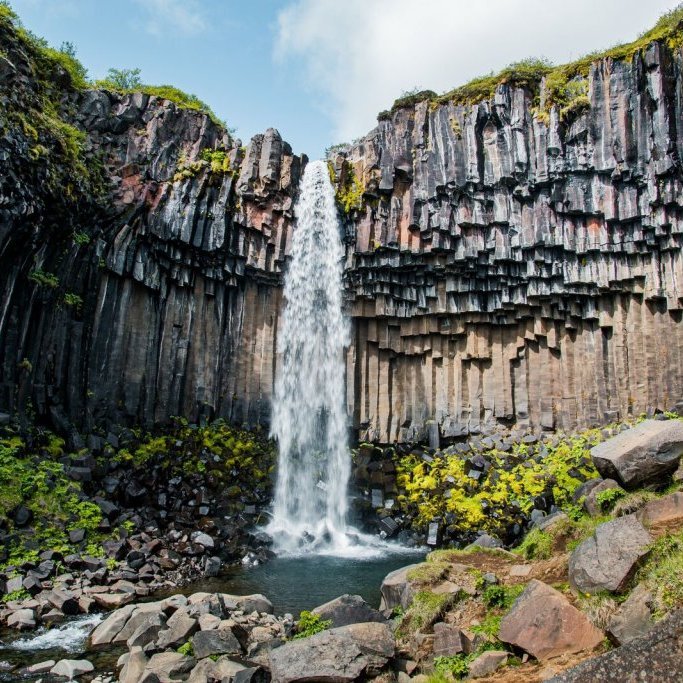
(320, 70)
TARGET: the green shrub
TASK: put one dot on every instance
(186, 649)
(536, 545)
(662, 573)
(502, 597)
(73, 300)
(607, 498)
(81, 238)
(309, 624)
(456, 666)
(44, 278)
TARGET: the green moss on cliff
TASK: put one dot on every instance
(566, 85)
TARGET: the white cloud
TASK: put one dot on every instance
(359, 55)
(183, 16)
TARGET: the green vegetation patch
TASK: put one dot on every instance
(536, 545)
(510, 486)
(566, 86)
(309, 624)
(663, 573)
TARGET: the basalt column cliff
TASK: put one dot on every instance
(518, 264)
(155, 293)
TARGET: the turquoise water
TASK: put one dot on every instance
(294, 584)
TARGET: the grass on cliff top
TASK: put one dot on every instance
(64, 59)
(530, 72)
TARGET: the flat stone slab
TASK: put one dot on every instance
(645, 453)
(607, 559)
(545, 624)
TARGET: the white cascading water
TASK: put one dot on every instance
(309, 416)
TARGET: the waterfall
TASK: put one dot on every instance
(309, 415)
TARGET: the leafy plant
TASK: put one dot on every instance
(309, 624)
(44, 278)
(501, 596)
(536, 545)
(607, 498)
(457, 666)
(186, 649)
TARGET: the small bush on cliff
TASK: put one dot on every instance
(663, 573)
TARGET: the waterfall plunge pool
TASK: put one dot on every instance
(303, 582)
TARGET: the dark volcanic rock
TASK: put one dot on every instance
(347, 609)
(652, 658)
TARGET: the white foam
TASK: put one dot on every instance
(70, 636)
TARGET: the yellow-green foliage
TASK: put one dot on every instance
(483, 504)
(217, 448)
(37, 481)
(663, 573)
(349, 190)
(309, 624)
(44, 278)
(216, 161)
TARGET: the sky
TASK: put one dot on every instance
(320, 70)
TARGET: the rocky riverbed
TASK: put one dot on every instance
(595, 587)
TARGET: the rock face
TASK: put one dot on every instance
(502, 268)
(505, 268)
(606, 560)
(644, 453)
(652, 658)
(177, 267)
(347, 609)
(545, 624)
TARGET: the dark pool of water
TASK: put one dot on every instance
(294, 584)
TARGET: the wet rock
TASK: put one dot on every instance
(651, 658)
(607, 559)
(147, 631)
(648, 452)
(22, 619)
(72, 668)
(63, 601)
(347, 609)
(113, 600)
(545, 624)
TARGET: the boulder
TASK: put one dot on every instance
(487, 662)
(113, 600)
(607, 559)
(339, 655)
(347, 609)
(106, 631)
(651, 658)
(646, 453)
(449, 640)
(591, 504)
(545, 624)
(71, 668)
(22, 619)
(207, 671)
(180, 628)
(147, 630)
(247, 603)
(663, 513)
(39, 668)
(134, 666)
(64, 601)
(634, 617)
(216, 642)
(169, 665)
(396, 589)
